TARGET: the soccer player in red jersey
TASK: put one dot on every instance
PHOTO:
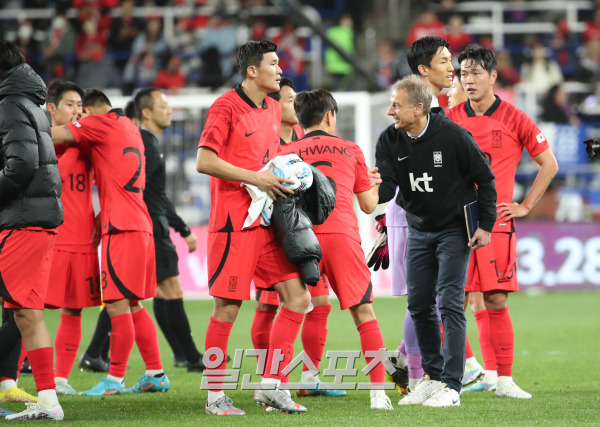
(128, 263)
(75, 269)
(314, 330)
(240, 136)
(30, 211)
(502, 131)
(343, 258)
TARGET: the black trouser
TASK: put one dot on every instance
(437, 264)
(10, 345)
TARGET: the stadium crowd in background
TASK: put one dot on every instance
(126, 52)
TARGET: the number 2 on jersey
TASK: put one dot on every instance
(129, 186)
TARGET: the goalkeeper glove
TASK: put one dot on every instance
(379, 255)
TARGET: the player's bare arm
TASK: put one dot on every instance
(368, 200)
(61, 135)
(209, 163)
(548, 169)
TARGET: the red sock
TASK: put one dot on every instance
(442, 333)
(371, 340)
(502, 338)
(217, 336)
(283, 335)
(21, 359)
(261, 328)
(146, 339)
(42, 363)
(469, 352)
(66, 344)
(122, 336)
(487, 350)
(314, 333)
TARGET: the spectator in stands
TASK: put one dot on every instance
(386, 65)
(541, 72)
(58, 45)
(123, 31)
(457, 37)
(211, 72)
(290, 49)
(592, 28)
(557, 108)
(343, 36)
(97, 71)
(148, 52)
(27, 42)
(171, 77)
(428, 24)
(507, 73)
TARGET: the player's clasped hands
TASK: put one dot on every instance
(273, 185)
(374, 177)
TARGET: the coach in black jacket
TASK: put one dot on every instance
(437, 166)
(30, 210)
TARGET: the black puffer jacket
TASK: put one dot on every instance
(292, 218)
(29, 180)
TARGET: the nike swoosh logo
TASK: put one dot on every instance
(455, 401)
(248, 134)
(147, 387)
(400, 159)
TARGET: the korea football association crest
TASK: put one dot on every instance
(437, 159)
(496, 139)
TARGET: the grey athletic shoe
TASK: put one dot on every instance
(223, 406)
(280, 399)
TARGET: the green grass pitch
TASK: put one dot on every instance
(557, 355)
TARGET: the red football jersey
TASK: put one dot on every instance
(501, 132)
(246, 136)
(117, 154)
(75, 173)
(343, 162)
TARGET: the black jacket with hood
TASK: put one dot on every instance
(437, 175)
(30, 185)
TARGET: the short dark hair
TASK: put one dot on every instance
(130, 110)
(480, 56)
(95, 98)
(311, 107)
(143, 99)
(457, 73)
(422, 51)
(285, 81)
(11, 55)
(58, 88)
(251, 53)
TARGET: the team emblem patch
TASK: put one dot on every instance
(540, 137)
(77, 124)
(496, 139)
(437, 159)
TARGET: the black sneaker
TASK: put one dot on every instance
(196, 367)
(96, 364)
(26, 367)
(179, 361)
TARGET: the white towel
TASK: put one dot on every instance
(289, 166)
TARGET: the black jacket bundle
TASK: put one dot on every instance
(293, 218)
(437, 174)
(30, 185)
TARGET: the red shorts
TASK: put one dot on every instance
(235, 258)
(128, 266)
(75, 280)
(266, 296)
(486, 263)
(344, 265)
(25, 260)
